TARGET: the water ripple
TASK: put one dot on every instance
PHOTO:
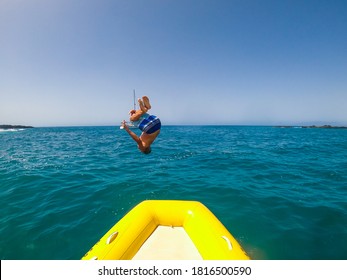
(281, 192)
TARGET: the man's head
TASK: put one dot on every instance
(147, 150)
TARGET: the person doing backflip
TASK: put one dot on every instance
(150, 125)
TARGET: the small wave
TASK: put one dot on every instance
(11, 130)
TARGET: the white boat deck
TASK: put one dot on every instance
(168, 243)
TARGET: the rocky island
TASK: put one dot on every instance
(8, 126)
(323, 126)
(312, 126)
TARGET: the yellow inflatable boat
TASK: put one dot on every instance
(167, 230)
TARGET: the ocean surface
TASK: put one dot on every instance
(282, 192)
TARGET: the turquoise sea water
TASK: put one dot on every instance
(282, 192)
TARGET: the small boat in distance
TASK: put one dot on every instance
(130, 124)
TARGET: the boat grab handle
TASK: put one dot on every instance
(228, 242)
(112, 237)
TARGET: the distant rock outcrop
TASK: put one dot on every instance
(323, 126)
(8, 126)
(312, 126)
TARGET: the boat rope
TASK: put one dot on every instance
(228, 242)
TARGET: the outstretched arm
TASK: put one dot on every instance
(132, 134)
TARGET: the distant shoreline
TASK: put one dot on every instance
(8, 126)
(312, 126)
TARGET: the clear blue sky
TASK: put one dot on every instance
(69, 62)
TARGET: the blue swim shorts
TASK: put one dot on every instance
(150, 124)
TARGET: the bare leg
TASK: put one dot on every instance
(144, 107)
(136, 115)
(145, 100)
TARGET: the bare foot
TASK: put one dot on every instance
(146, 102)
(142, 107)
